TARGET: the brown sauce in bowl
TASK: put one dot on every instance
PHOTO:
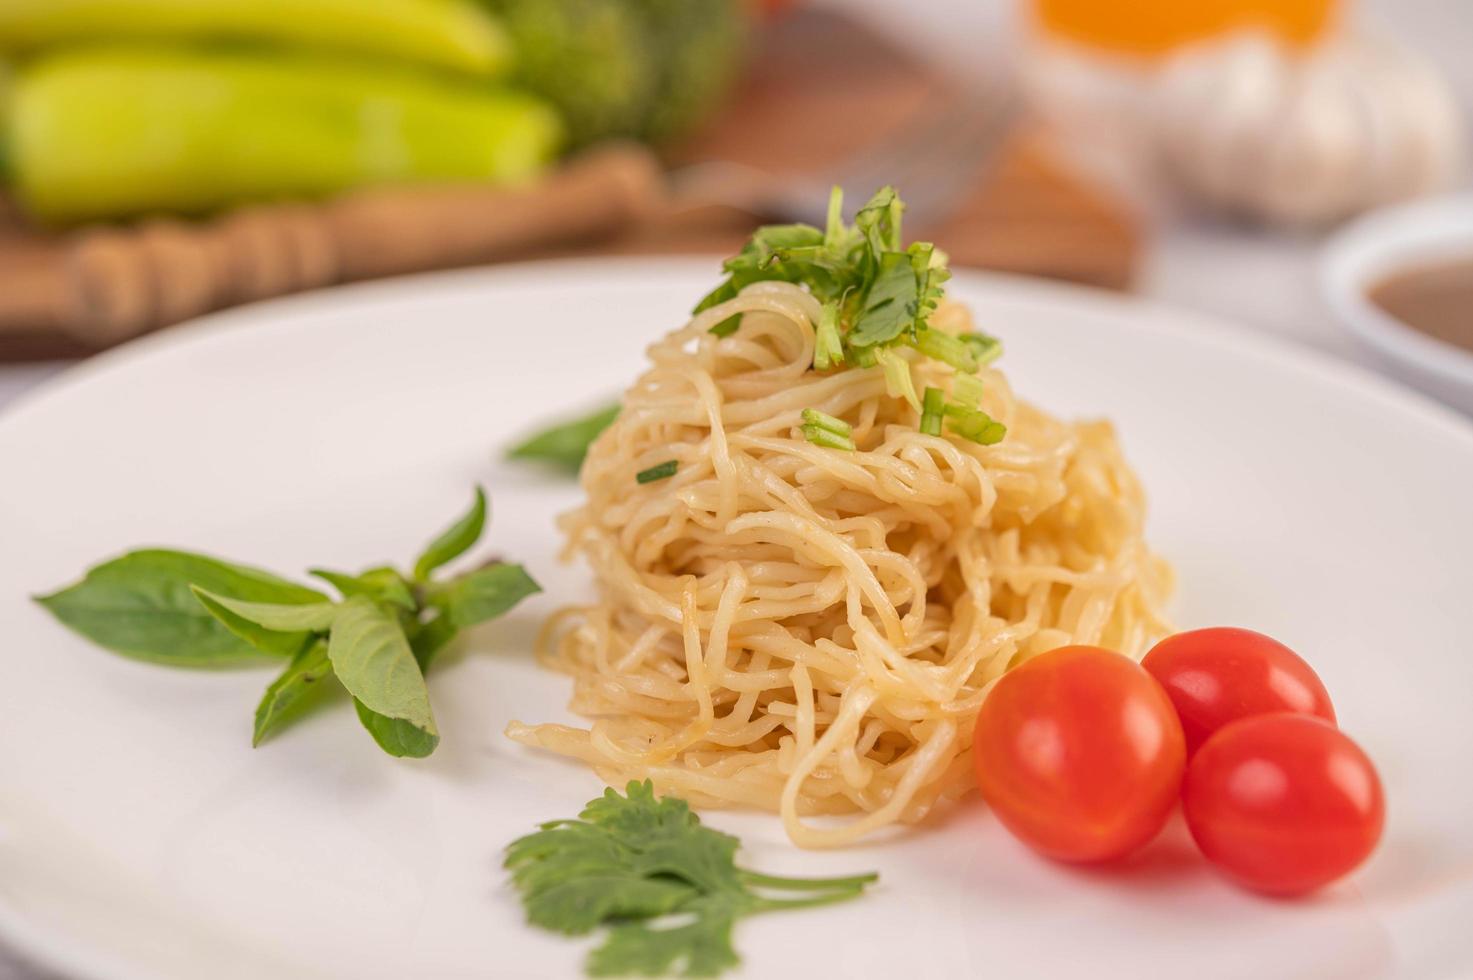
(1435, 299)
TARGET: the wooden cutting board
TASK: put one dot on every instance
(819, 89)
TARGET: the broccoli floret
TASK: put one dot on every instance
(643, 68)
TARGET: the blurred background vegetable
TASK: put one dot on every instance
(118, 132)
(453, 34)
(649, 69)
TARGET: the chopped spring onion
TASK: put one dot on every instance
(828, 350)
(966, 389)
(975, 424)
(986, 349)
(834, 229)
(898, 381)
(823, 429)
(933, 404)
(827, 438)
(728, 326)
(812, 416)
(663, 471)
(948, 349)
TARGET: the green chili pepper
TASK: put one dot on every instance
(108, 133)
(456, 34)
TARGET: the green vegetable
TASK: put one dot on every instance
(876, 294)
(185, 609)
(974, 424)
(823, 429)
(371, 657)
(933, 404)
(660, 471)
(986, 349)
(455, 540)
(108, 133)
(566, 443)
(966, 389)
(649, 69)
(823, 420)
(484, 594)
(453, 34)
(290, 690)
(141, 605)
(828, 348)
(728, 326)
(631, 863)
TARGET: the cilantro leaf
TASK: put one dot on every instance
(667, 887)
(700, 946)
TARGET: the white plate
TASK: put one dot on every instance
(141, 836)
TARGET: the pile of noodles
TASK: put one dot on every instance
(809, 630)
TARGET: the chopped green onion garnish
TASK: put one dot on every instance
(728, 326)
(828, 349)
(827, 438)
(663, 471)
(967, 390)
(947, 349)
(834, 230)
(863, 357)
(986, 349)
(933, 404)
(812, 416)
(898, 381)
(975, 424)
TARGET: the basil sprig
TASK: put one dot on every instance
(377, 639)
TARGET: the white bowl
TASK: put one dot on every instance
(1386, 241)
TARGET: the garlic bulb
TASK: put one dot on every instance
(1303, 137)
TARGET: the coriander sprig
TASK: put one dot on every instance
(666, 887)
(876, 294)
(377, 639)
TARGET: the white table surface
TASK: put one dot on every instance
(1263, 280)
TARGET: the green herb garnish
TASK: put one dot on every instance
(933, 403)
(974, 424)
(728, 326)
(667, 887)
(986, 349)
(966, 389)
(876, 293)
(565, 444)
(184, 609)
(823, 429)
(660, 471)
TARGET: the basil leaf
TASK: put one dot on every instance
(277, 617)
(371, 656)
(485, 593)
(431, 638)
(383, 584)
(396, 737)
(141, 605)
(455, 540)
(281, 642)
(566, 444)
(290, 689)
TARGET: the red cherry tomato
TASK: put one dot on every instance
(1283, 803)
(1215, 676)
(1080, 754)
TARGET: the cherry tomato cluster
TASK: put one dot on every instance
(1083, 753)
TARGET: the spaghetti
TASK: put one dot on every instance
(808, 630)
